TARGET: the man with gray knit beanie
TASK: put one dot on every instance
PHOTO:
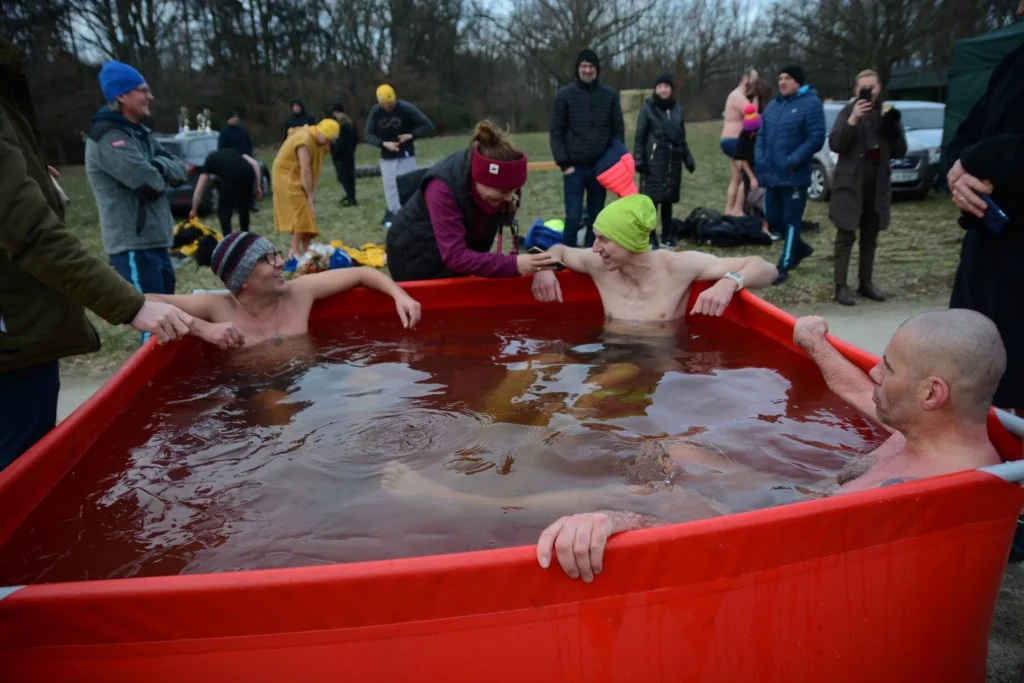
(262, 306)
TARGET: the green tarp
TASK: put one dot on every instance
(972, 64)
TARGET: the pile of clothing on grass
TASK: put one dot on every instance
(187, 235)
(321, 257)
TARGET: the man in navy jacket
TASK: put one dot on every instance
(792, 130)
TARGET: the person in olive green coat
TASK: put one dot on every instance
(48, 278)
(865, 138)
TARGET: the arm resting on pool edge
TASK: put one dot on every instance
(209, 307)
(576, 258)
(698, 266)
(210, 318)
(321, 285)
(757, 273)
(545, 285)
(578, 541)
(845, 379)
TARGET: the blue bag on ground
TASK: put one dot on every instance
(545, 234)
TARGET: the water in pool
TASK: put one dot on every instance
(362, 442)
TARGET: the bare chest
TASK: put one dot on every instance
(287, 321)
(659, 298)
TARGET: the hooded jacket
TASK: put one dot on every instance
(585, 118)
(130, 173)
(47, 276)
(792, 131)
(297, 120)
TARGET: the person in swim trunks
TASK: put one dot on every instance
(641, 286)
(261, 305)
(732, 116)
(644, 295)
(932, 391)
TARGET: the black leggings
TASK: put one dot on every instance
(236, 194)
(345, 168)
(668, 231)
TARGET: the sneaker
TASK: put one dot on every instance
(783, 276)
(804, 252)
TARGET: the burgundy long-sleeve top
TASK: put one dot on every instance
(453, 240)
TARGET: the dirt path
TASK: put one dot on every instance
(868, 325)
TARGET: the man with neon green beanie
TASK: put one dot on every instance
(640, 285)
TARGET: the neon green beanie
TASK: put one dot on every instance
(628, 222)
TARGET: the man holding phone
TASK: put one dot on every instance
(865, 136)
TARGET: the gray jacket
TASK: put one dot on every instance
(129, 173)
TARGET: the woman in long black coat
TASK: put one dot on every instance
(660, 150)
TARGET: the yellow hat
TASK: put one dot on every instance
(330, 128)
(385, 94)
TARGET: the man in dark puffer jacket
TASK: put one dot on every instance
(585, 119)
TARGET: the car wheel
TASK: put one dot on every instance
(818, 189)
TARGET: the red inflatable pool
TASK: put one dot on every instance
(895, 584)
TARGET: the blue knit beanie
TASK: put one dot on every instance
(117, 78)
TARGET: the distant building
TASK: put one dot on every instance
(928, 83)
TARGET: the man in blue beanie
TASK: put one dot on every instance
(130, 173)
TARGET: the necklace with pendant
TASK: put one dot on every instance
(277, 340)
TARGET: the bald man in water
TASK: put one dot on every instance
(932, 391)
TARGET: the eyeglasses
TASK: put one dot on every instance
(144, 89)
(271, 257)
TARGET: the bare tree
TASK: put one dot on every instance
(552, 32)
(849, 35)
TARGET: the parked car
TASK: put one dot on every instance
(192, 147)
(914, 174)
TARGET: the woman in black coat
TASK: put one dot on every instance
(660, 150)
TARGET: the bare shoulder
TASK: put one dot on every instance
(687, 262)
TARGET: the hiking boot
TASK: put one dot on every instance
(843, 296)
(869, 291)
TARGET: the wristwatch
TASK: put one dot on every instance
(737, 277)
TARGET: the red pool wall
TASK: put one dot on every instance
(896, 584)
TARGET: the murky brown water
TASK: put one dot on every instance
(277, 456)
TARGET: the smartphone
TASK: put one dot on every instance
(995, 219)
(867, 94)
(537, 250)
(61, 195)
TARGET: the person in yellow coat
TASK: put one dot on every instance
(295, 175)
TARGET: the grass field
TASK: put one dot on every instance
(916, 256)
